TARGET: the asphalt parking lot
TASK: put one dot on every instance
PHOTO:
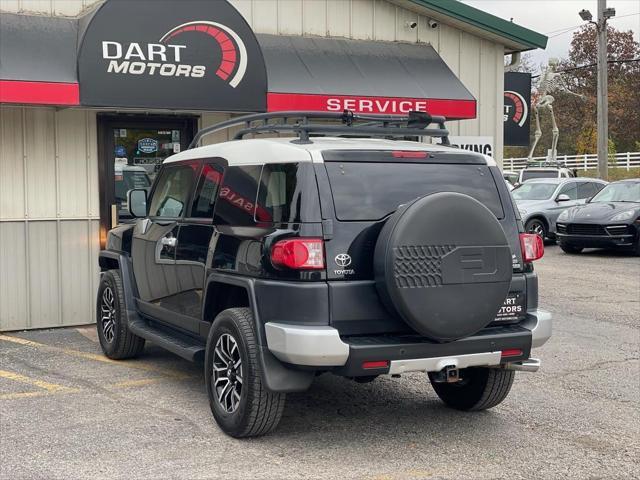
(68, 412)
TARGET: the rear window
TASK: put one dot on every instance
(371, 191)
(529, 174)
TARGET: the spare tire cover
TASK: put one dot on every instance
(443, 263)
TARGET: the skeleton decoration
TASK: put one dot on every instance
(548, 82)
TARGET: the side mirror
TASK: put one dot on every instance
(563, 197)
(137, 202)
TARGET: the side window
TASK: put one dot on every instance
(586, 190)
(570, 189)
(237, 196)
(206, 191)
(288, 193)
(171, 193)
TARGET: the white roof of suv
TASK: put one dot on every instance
(282, 150)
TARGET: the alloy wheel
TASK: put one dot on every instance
(227, 373)
(108, 314)
(537, 227)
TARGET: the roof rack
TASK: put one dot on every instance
(299, 123)
(546, 163)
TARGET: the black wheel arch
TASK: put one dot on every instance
(277, 376)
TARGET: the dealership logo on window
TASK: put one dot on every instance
(165, 58)
(147, 145)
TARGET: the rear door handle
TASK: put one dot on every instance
(169, 241)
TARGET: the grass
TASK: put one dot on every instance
(614, 173)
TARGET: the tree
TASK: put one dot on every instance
(577, 117)
(624, 83)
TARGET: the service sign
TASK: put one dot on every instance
(479, 144)
(196, 56)
(517, 108)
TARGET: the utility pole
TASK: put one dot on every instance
(603, 102)
(604, 14)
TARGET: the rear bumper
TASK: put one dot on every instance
(322, 346)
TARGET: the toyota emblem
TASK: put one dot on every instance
(343, 260)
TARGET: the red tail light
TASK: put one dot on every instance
(532, 246)
(408, 154)
(375, 364)
(511, 352)
(298, 253)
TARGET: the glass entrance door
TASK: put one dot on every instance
(132, 151)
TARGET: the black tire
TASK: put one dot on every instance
(535, 225)
(570, 249)
(258, 410)
(116, 339)
(479, 389)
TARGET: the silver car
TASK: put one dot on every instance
(541, 200)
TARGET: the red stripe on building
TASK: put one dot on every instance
(452, 109)
(39, 93)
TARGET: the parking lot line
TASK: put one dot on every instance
(50, 387)
(98, 358)
(47, 388)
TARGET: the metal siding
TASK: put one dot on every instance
(385, 21)
(68, 8)
(450, 53)
(314, 17)
(339, 19)
(362, 19)
(43, 285)
(404, 33)
(426, 34)
(77, 292)
(12, 195)
(245, 7)
(13, 276)
(290, 17)
(265, 16)
(49, 230)
(470, 63)
(72, 167)
(40, 162)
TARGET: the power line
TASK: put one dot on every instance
(624, 60)
(562, 31)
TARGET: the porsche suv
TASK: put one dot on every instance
(611, 219)
(340, 251)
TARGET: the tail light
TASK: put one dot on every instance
(298, 253)
(408, 154)
(532, 246)
(511, 352)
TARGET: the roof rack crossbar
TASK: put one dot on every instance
(303, 131)
(374, 125)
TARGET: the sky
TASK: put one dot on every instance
(551, 17)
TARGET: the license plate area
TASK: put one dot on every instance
(514, 309)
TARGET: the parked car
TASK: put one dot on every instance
(541, 200)
(511, 177)
(545, 170)
(509, 184)
(275, 260)
(611, 219)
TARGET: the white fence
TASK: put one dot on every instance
(626, 160)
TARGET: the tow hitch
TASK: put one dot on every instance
(449, 374)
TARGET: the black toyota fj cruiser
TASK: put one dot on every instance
(277, 259)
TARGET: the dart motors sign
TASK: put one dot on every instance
(517, 108)
(195, 56)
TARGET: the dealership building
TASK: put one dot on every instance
(95, 94)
